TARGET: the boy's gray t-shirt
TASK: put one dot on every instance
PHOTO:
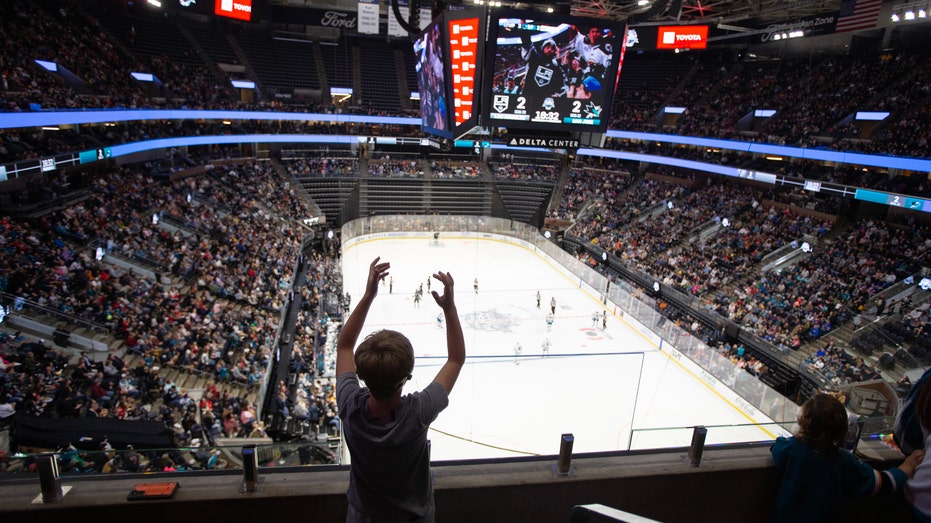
(390, 472)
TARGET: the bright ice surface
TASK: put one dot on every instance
(595, 383)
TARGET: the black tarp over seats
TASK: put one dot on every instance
(87, 433)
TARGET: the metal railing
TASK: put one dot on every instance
(20, 304)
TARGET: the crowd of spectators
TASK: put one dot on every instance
(802, 302)
(388, 167)
(840, 367)
(29, 32)
(525, 169)
(589, 183)
(456, 169)
(183, 330)
(811, 110)
(835, 89)
(214, 312)
(223, 275)
(802, 90)
(38, 379)
(311, 398)
(674, 232)
(635, 240)
(320, 164)
(711, 263)
(737, 367)
(913, 328)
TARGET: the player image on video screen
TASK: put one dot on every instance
(551, 73)
(430, 72)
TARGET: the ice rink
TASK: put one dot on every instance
(598, 384)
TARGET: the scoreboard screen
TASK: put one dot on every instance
(465, 37)
(448, 57)
(551, 73)
(430, 65)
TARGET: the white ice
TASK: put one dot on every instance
(597, 384)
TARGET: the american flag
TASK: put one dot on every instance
(857, 14)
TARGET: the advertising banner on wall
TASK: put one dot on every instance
(238, 9)
(368, 16)
(682, 37)
(394, 28)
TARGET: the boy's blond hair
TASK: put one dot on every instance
(384, 361)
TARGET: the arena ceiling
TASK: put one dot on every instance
(705, 11)
(728, 12)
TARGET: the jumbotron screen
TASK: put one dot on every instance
(448, 59)
(554, 73)
(465, 37)
(430, 65)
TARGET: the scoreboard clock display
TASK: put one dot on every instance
(551, 73)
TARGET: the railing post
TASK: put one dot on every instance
(563, 466)
(250, 469)
(698, 445)
(49, 480)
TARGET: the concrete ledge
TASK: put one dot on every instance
(732, 484)
(47, 332)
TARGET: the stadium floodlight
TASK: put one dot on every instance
(910, 11)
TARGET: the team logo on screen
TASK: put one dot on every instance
(592, 110)
(500, 103)
(543, 76)
(549, 104)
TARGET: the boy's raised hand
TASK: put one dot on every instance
(350, 332)
(446, 299)
(377, 273)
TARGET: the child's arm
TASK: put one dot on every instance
(353, 326)
(894, 479)
(911, 463)
(455, 343)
